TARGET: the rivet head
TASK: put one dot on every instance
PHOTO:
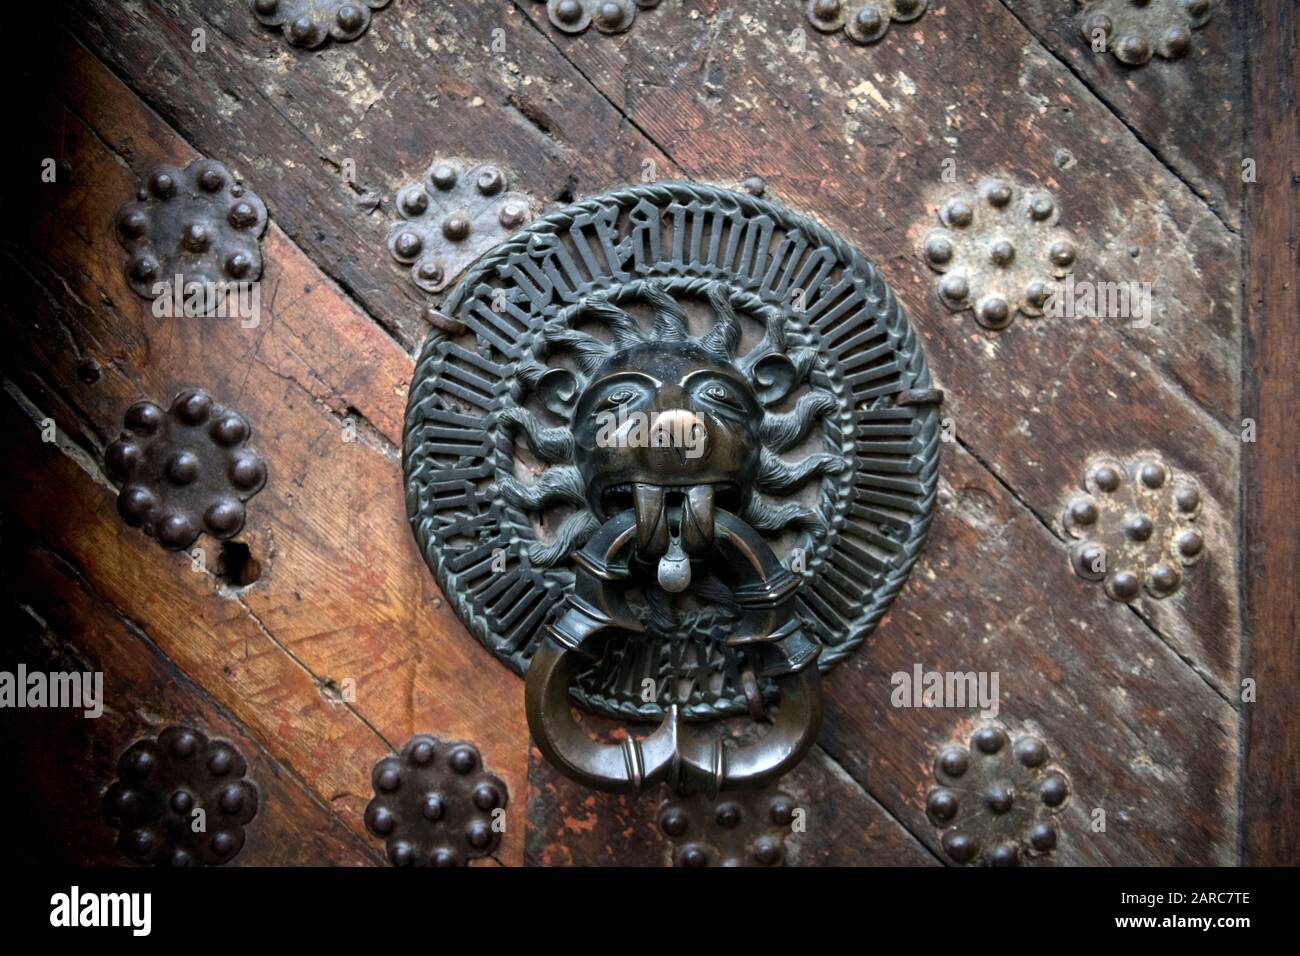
(463, 760)
(998, 194)
(781, 811)
(490, 181)
(1152, 475)
(1138, 527)
(692, 856)
(182, 467)
(1031, 751)
(1176, 42)
(1004, 854)
(938, 249)
(959, 847)
(1042, 837)
(432, 808)
(994, 313)
(1106, 477)
(610, 14)
(1165, 578)
(1041, 207)
(1133, 49)
(182, 802)
(999, 799)
(413, 200)
(224, 518)
(942, 805)
(132, 223)
(1002, 253)
(211, 180)
(767, 851)
(443, 175)
(826, 9)
(302, 31)
(1124, 585)
(1190, 543)
(954, 288)
(1083, 511)
(163, 185)
(422, 752)
(1187, 498)
(408, 245)
(989, 740)
(869, 19)
(1054, 790)
(1062, 253)
(568, 11)
(456, 227)
(958, 213)
(350, 18)
(728, 815)
(512, 215)
(486, 797)
(673, 821)
(954, 761)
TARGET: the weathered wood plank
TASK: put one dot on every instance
(1271, 551)
(842, 132)
(424, 81)
(1140, 735)
(1190, 111)
(850, 135)
(344, 589)
(842, 825)
(57, 624)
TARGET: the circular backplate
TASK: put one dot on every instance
(850, 463)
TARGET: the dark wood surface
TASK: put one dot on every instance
(1272, 474)
(1140, 705)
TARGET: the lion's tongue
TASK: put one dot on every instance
(673, 537)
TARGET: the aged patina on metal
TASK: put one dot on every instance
(995, 801)
(1001, 252)
(748, 828)
(163, 786)
(607, 16)
(436, 805)
(864, 21)
(309, 23)
(457, 212)
(1134, 526)
(199, 224)
(184, 471)
(638, 579)
(1133, 30)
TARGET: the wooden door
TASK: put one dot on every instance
(1165, 712)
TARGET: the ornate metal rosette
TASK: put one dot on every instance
(1133, 30)
(309, 23)
(848, 477)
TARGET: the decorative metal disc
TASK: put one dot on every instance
(847, 479)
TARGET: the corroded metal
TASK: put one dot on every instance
(309, 23)
(501, 499)
(1000, 253)
(1134, 30)
(1134, 526)
(748, 828)
(436, 805)
(181, 800)
(199, 223)
(863, 22)
(994, 801)
(607, 16)
(452, 216)
(184, 471)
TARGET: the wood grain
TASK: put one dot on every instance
(1271, 551)
(57, 624)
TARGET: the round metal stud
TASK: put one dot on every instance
(164, 783)
(435, 805)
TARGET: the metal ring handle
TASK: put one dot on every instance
(597, 609)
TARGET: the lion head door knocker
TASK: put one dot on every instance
(679, 462)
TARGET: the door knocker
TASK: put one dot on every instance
(680, 461)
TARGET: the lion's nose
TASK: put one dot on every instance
(680, 429)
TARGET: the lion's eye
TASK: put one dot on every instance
(721, 393)
(620, 397)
